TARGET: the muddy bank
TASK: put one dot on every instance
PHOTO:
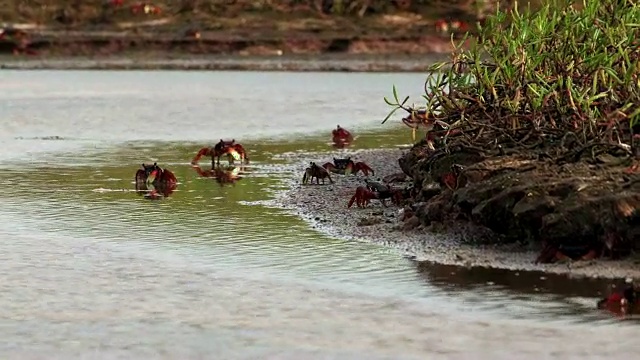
(157, 43)
(245, 39)
(579, 204)
(325, 207)
(87, 43)
(222, 50)
(325, 62)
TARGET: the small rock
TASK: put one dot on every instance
(368, 221)
(411, 223)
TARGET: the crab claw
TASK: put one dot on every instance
(329, 166)
(205, 151)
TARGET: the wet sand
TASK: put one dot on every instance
(324, 62)
(325, 208)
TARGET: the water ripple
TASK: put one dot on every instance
(88, 265)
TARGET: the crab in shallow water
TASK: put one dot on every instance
(341, 137)
(233, 150)
(154, 182)
(347, 166)
(625, 301)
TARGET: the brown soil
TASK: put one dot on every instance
(222, 43)
(78, 29)
(586, 199)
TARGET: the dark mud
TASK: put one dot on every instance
(584, 205)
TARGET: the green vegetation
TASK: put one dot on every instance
(564, 77)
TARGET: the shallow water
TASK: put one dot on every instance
(90, 268)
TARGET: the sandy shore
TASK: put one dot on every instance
(325, 208)
(324, 62)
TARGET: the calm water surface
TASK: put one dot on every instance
(90, 269)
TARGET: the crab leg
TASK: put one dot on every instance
(205, 151)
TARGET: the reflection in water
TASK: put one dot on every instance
(495, 283)
(154, 182)
(223, 175)
(340, 144)
(341, 137)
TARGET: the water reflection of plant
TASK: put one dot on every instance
(563, 74)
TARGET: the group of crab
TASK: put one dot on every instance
(155, 182)
(346, 166)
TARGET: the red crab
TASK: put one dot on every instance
(626, 301)
(460, 26)
(154, 182)
(441, 26)
(363, 196)
(452, 179)
(347, 166)
(551, 253)
(422, 118)
(341, 137)
(229, 148)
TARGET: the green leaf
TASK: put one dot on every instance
(634, 117)
(390, 114)
(599, 96)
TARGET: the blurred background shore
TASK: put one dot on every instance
(356, 35)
